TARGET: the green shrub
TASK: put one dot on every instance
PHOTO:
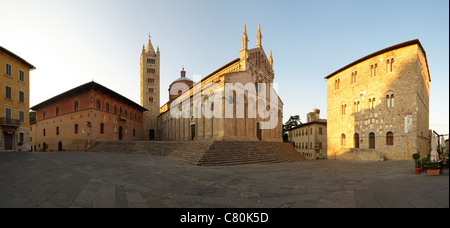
(416, 156)
(433, 165)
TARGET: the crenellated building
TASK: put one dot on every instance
(378, 106)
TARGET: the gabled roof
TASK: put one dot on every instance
(2, 49)
(87, 87)
(401, 45)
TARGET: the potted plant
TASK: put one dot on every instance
(416, 157)
(433, 169)
(442, 152)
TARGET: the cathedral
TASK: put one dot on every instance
(237, 102)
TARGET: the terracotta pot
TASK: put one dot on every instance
(417, 170)
(433, 172)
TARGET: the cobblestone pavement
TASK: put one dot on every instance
(104, 180)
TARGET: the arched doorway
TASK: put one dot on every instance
(152, 134)
(120, 133)
(356, 140)
(60, 146)
(193, 132)
(258, 131)
(372, 140)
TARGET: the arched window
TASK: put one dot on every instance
(57, 110)
(390, 100)
(43, 132)
(76, 105)
(390, 138)
(388, 64)
(57, 130)
(150, 99)
(356, 140)
(97, 103)
(375, 70)
(343, 142)
(115, 109)
(76, 129)
(107, 106)
(392, 65)
(371, 103)
(371, 71)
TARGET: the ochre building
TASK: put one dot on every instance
(14, 102)
(80, 117)
(378, 106)
(209, 109)
(310, 138)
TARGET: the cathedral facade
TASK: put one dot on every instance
(237, 102)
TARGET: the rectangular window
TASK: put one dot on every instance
(150, 90)
(151, 61)
(21, 97)
(22, 116)
(8, 92)
(8, 69)
(320, 130)
(320, 145)
(151, 81)
(151, 71)
(8, 113)
(21, 76)
(21, 137)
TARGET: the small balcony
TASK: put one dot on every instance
(9, 122)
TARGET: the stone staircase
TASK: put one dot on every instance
(191, 151)
(225, 153)
(208, 153)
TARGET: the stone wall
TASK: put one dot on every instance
(408, 81)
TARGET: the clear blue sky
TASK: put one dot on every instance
(72, 42)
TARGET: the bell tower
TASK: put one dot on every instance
(150, 89)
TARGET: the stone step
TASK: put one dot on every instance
(208, 153)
